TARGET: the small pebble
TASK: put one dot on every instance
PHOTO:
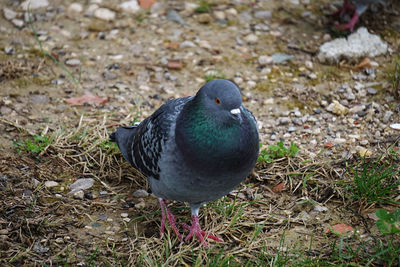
(73, 62)
(251, 38)
(50, 184)
(372, 91)
(104, 14)
(79, 194)
(140, 193)
(124, 215)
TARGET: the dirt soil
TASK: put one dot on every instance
(137, 62)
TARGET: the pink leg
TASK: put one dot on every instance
(170, 217)
(195, 229)
(346, 8)
(350, 25)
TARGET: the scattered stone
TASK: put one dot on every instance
(9, 50)
(39, 248)
(34, 4)
(140, 193)
(130, 6)
(292, 129)
(50, 184)
(317, 111)
(251, 38)
(387, 115)
(73, 62)
(281, 58)
(81, 184)
(175, 65)
(187, 44)
(363, 152)
(204, 18)
(283, 121)
(9, 14)
(172, 15)
(395, 126)
(219, 15)
(102, 217)
(263, 14)
(104, 14)
(312, 76)
(75, 8)
(372, 91)
(18, 23)
(79, 194)
(140, 205)
(264, 60)
(319, 208)
(124, 215)
(336, 108)
(358, 45)
(109, 75)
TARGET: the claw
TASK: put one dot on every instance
(195, 229)
(170, 217)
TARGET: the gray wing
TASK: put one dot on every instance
(147, 140)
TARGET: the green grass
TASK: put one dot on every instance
(204, 7)
(374, 182)
(35, 146)
(394, 75)
(212, 75)
(388, 223)
(277, 151)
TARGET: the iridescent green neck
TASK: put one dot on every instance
(203, 136)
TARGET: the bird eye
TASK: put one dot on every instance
(217, 100)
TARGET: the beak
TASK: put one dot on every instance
(235, 111)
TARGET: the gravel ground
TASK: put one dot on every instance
(131, 58)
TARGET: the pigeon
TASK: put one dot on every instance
(355, 8)
(194, 149)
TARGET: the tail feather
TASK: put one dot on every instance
(124, 137)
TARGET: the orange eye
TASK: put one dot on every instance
(217, 100)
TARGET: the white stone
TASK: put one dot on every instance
(130, 6)
(264, 60)
(336, 108)
(140, 193)
(219, 15)
(18, 23)
(124, 215)
(79, 194)
(104, 14)
(251, 38)
(395, 126)
(232, 12)
(187, 44)
(75, 8)
(81, 184)
(9, 14)
(34, 4)
(50, 184)
(357, 45)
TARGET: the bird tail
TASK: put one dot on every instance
(124, 136)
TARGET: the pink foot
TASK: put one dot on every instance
(346, 8)
(200, 234)
(350, 25)
(170, 217)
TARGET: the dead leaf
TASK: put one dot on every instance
(328, 145)
(365, 63)
(172, 45)
(278, 188)
(86, 99)
(175, 65)
(146, 3)
(339, 229)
